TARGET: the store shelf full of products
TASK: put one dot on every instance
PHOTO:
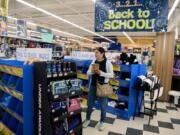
(42, 99)
(16, 87)
(122, 102)
(57, 99)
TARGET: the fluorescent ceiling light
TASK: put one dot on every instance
(55, 30)
(130, 39)
(94, 1)
(61, 19)
(173, 8)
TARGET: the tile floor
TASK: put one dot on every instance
(166, 122)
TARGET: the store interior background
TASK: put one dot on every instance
(82, 13)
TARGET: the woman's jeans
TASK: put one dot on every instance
(91, 101)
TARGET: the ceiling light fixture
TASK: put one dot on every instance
(173, 8)
(55, 30)
(61, 19)
(130, 39)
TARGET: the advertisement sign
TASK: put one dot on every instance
(21, 28)
(43, 54)
(131, 15)
(3, 7)
(3, 26)
(46, 34)
(83, 55)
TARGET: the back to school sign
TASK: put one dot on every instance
(131, 15)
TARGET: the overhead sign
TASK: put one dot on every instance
(3, 7)
(21, 28)
(46, 34)
(131, 15)
(43, 54)
(3, 26)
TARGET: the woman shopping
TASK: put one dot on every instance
(100, 70)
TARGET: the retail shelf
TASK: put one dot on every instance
(114, 82)
(116, 67)
(12, 92)
(176, 76)
(84, 89)
(76, 130)
(84, 101)
(114, 97)
(29, 39)
(82, 76)
(5, 130)
(125, 68)
(12, 113)
(12, 70)
(65, 95)
(56, 119)
(17, 86)
(125, 83)
(123, 98)
(116, 111)
(75, 93)
(177, 56)
(65, 76)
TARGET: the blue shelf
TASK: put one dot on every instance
(126, 91)
(17, 99)
(124, 83)
(123, 98)
(125, 68)
(116, 111)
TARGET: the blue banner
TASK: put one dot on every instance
(131, 15)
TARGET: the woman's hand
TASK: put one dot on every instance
(92, 69)
(98, 72)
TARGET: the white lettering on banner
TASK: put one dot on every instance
(43, 54)
(39, 109)
(83, 55)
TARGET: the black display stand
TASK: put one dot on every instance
(44, 119)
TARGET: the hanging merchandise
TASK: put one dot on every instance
(74, 104)
(3, 26)
(57, 110)
(59, 88)
(21, 28)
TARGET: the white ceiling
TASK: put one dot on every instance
(80, 12)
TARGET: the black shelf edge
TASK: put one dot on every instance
(176, 76)
(63, 76)
(177, 56)
(13, 114)
(75, 93)
(67, 95)
(57, 119)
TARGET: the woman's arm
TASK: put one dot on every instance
(109, 68)
(89, 70)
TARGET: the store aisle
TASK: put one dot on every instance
(167, 122)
